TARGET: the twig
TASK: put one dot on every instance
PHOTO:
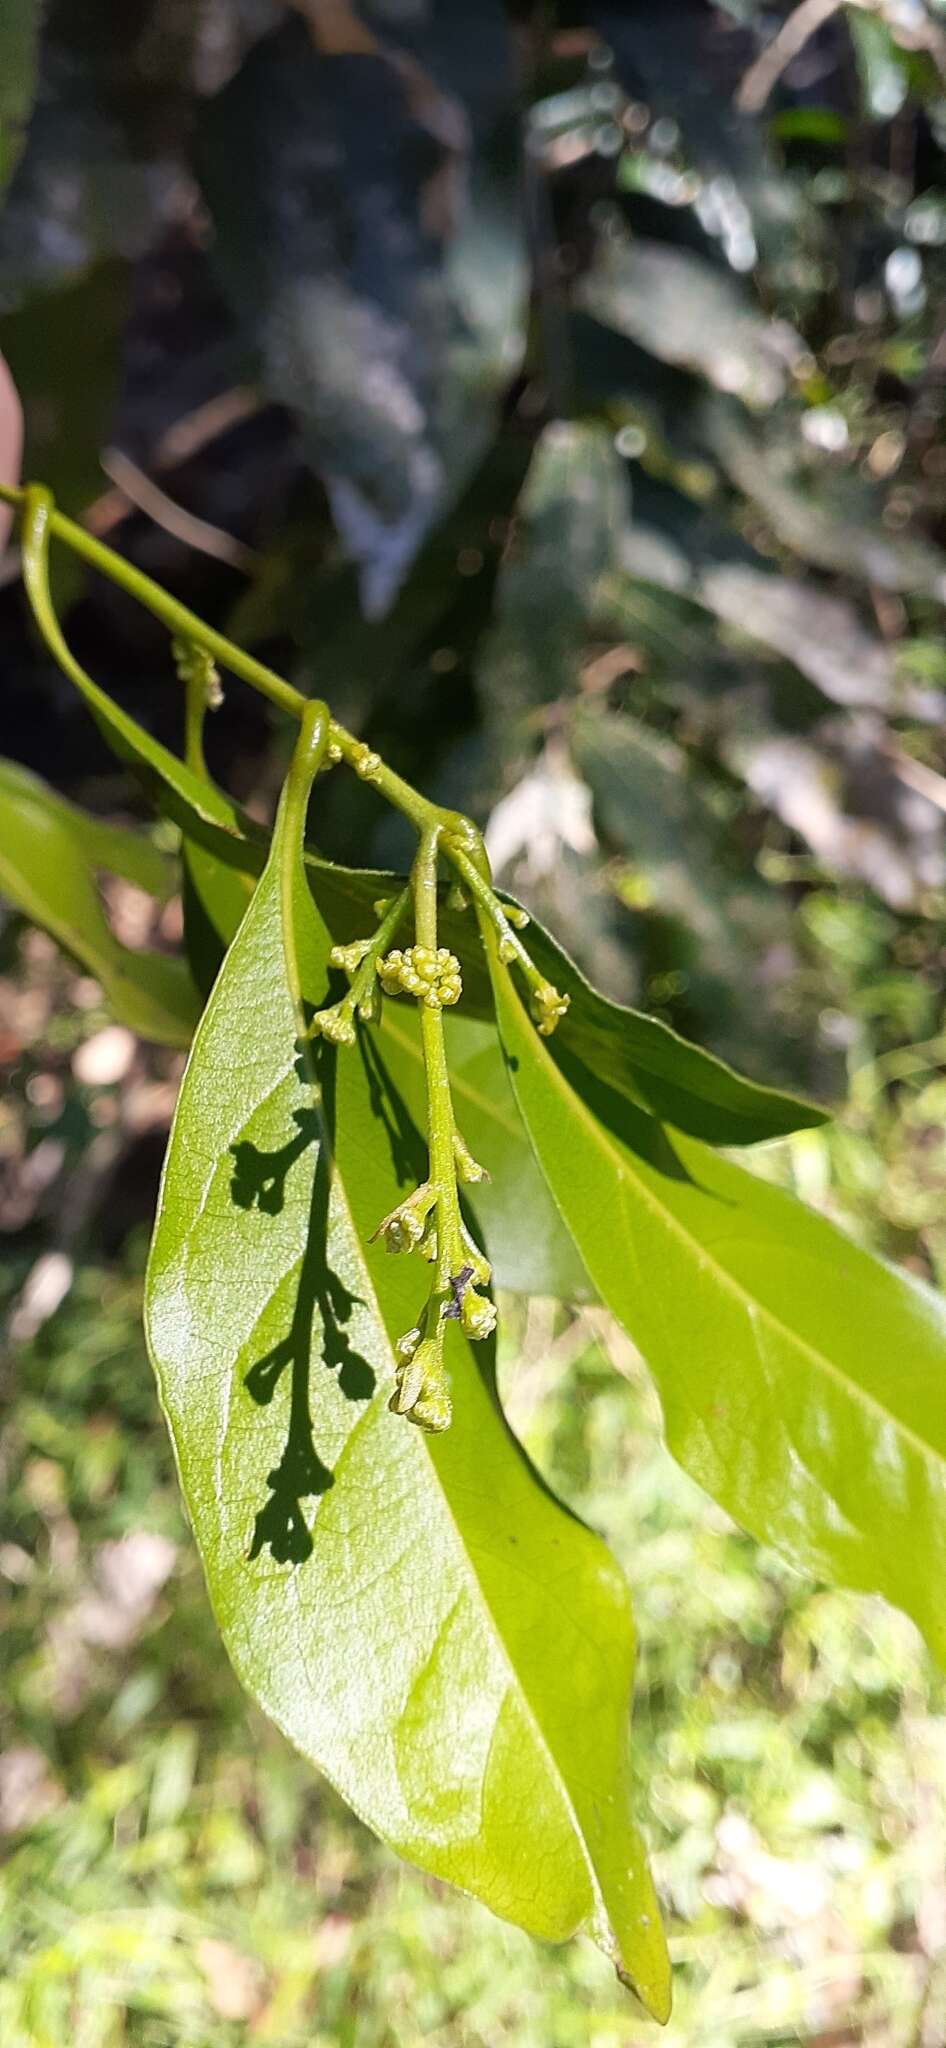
(763, 75)
(195, 431)
(766, 70)
(916, 775)
(141, 490)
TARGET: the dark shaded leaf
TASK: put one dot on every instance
(19, 35)
(835, 534)
(368, 238)
(688, 312)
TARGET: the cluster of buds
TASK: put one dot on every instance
(547, 1006)
(366, 970)
(421, 1389)
(195, 665)
(411, 1226)
(365, 762)
(430, 977)
(337, 1023)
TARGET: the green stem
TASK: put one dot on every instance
(41, 519)
(437, 827)
(307, 758)
(490, 909)
(195, 710)
(365, 978)
(440, 1126)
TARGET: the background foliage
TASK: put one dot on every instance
(581, 436)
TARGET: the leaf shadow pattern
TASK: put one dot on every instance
(390, 1109)
(322, 1300)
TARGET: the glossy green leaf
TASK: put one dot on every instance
(417, 1613)
(215, 894)
(203, 812)
(803, 1382)
(662, 1072)
(49, 855)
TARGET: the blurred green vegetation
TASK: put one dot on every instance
(582, 436)
(173, 1874)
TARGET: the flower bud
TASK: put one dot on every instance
(547, 1007)
(469, 1169)
(335, 1024)
(477, 1315)
(421, 1390)
(349, 957)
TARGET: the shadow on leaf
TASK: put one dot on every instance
(407, 1151)
(323, 1307)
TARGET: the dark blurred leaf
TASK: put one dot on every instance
(689, 74)
(377, 262)
(19, 32)
(658, 811)
(68, 389)
(844, 800)
(569, 521)
(690, 313)
(821, 634)
(822, 527)
(883, 68)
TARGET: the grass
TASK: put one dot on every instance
(174, 1874)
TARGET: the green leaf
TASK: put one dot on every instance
(49, 855)
(527, 1246)
(417, 1613)
(111, 847)
(803, 1382)
(19, 39)
(216, 897)
(663, 1073)
(642, 1057)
